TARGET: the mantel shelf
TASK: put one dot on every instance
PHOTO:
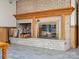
(47, 13)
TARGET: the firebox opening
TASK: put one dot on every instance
(24, 30)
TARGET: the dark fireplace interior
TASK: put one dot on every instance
(24, 30)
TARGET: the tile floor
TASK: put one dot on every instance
(28, 52)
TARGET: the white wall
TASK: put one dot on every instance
(7, 11)
(67, 32)
(74, 13)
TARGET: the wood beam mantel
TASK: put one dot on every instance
(47, 13)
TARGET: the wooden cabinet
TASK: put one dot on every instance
(3, 35)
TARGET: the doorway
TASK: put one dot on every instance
(78, 24)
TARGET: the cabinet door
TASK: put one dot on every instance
(3, 35)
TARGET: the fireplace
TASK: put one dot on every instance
(24, 30)
(47, 30)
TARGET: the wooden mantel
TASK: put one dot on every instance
(47, 13)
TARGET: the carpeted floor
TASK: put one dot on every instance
(28, 52)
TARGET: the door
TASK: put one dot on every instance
(78, 23)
